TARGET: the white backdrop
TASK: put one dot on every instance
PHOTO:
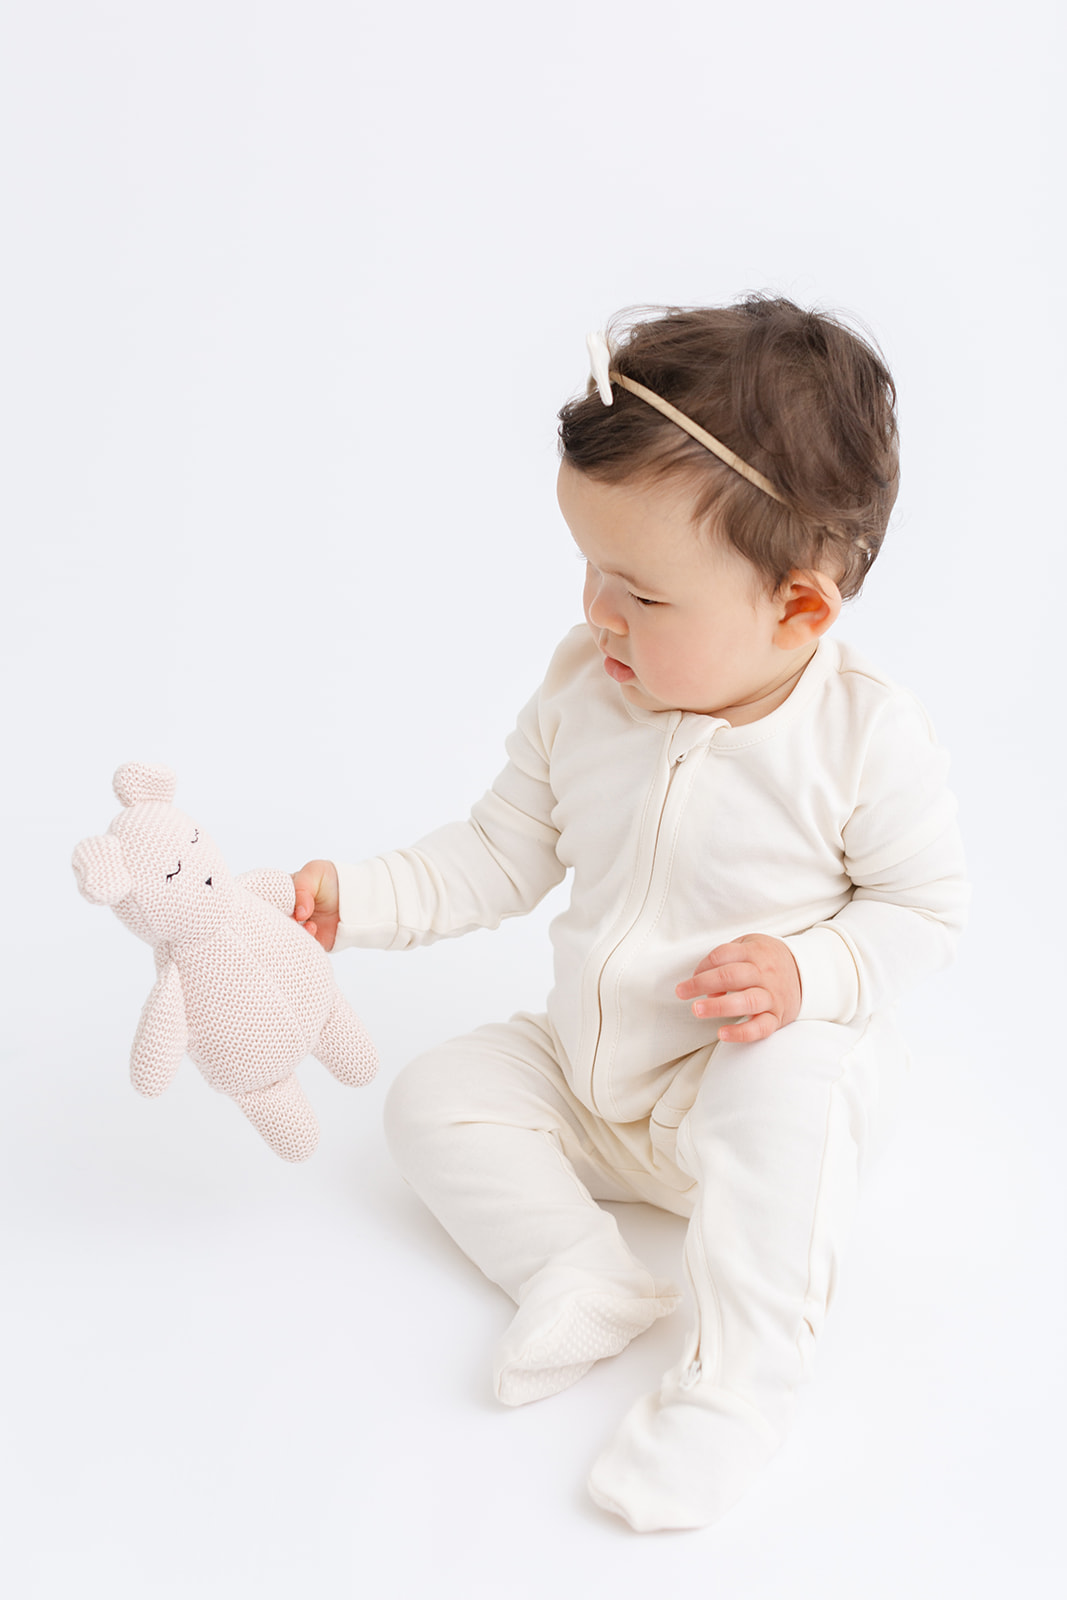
(293, 293)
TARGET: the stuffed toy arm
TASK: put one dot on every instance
(162, 1035)
(272, 885)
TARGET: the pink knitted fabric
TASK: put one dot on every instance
(240, 987)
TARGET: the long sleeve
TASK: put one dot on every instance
(499, 863)
(904, 856)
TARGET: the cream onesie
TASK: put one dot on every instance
(827, 824)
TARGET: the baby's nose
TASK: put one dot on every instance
(602, 613)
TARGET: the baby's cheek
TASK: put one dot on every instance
(674, 675)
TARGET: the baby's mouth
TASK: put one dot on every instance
(618, 670)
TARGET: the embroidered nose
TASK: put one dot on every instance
(208, 882)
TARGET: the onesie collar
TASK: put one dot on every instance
(694, 728)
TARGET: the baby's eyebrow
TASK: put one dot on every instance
(614, 572)
(635, 583)
(649, 589)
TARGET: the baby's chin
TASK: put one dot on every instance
(637, 695)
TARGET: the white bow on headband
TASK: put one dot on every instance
(600, 366)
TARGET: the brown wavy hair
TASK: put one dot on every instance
(795, 393)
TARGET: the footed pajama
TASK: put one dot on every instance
(764, 1160)
(827, 824)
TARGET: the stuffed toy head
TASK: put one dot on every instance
(240, 987)
(161, 874)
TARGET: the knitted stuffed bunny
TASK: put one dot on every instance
(240, 987)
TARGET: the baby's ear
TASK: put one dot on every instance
(135, 781)
(810, 604)
(101, 871)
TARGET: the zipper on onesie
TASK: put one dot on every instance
(661, 820)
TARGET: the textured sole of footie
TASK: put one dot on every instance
(585, 1332)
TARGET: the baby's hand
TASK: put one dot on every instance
(754, 977)
(317, 901)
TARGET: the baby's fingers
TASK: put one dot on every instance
(760, 1026)
(735, 1003)
(315, 901)
(719, 979)
(315, 887)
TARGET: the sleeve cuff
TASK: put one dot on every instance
(368, 912)
(829, 979)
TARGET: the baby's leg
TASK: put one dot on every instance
(774, 1142)
(487, 1133)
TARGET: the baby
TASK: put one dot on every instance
(764, 857)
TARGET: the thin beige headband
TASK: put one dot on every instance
(604, 376)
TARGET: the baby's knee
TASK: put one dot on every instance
(419, 1102)
(494, 1076)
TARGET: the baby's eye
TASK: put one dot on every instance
(175, 873)
(642, 600)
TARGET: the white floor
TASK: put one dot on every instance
(226, 1376)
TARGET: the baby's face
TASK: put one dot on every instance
(683, 621)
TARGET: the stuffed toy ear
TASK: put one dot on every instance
(101, 871)
(135, 781)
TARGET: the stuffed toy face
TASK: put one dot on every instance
(164, 877)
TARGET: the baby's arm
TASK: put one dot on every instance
(903, 854)
(901, 925)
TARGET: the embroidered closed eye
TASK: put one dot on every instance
(175, 873)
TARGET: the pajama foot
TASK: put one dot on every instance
(555, 1339)
(680, 1460)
